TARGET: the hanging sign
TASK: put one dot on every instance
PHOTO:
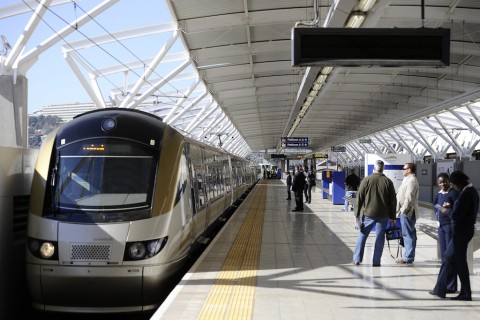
(339, 149)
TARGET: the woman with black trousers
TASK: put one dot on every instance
(464, 216)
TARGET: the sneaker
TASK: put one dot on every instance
(401, 261)
(355, 263)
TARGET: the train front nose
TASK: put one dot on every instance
(89, 272)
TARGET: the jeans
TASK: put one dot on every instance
(365, 228)
(308, 193)
(348, 194)
(409, 234)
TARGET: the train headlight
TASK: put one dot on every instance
(136, 251)
(47, 250)
(108, 124)
(43, 249)
(139, 250)
(154, 246)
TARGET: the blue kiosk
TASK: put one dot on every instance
(337, 178)
(338, 188)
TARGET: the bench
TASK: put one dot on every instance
(428, 230)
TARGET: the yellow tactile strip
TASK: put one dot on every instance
(232, 295)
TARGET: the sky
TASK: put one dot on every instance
(51, 80)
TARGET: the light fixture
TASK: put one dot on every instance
(321, 79)
(326, 70)
(356, 19)
(366, 5)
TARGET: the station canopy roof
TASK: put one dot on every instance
(221, 72)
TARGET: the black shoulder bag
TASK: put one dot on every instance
(394, 233)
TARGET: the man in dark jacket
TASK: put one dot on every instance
(351, 186)
(289, 186)
(377, 201)
(298, 185)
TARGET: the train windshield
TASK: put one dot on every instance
(104, 180)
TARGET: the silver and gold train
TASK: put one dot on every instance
(118, 200)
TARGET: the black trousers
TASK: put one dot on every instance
(455, 258)
(299, 199)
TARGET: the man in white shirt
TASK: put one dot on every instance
(407, 209)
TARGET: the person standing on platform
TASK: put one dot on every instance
(407, 209)
(464, 217)
(351, 186)
(443, 204)
(376, 200)
(289, 186)
(305, 190)
(311, 177)
(298, 186)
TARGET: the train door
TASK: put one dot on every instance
(200, 195)
(230, 184)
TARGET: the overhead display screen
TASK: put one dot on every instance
(370, 47)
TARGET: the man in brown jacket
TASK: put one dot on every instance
(377, 202)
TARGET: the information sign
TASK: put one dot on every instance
(321, 155)
(295, 142)
(339, 149)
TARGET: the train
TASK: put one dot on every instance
(118, 200)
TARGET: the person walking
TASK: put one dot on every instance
(305, 190)
(289, 186)
(464, 216)
(311, 177)
(298, 186)
(376, 199)
(407, 209)
(443, 204)
(351, 186)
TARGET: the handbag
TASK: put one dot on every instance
(394, 233)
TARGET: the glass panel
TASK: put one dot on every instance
(103, 176)
(198, 176)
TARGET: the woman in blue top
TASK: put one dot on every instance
(443, 204)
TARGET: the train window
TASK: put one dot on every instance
(216, 170)
(104, 176)
(197, 176)
(226, 176)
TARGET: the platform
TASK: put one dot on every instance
(271, 263)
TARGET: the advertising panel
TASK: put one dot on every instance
(393, 165)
